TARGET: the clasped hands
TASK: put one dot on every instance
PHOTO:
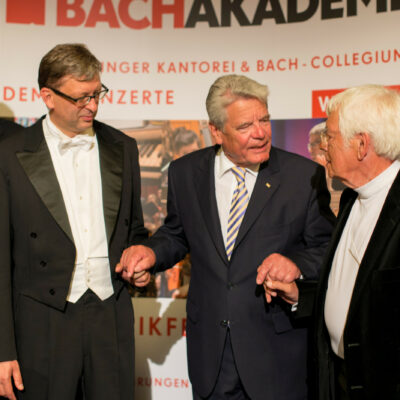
(277, 274)
(135, 263)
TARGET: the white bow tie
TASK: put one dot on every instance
(78, 142)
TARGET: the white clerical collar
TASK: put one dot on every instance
(224, 164)
(380, 182)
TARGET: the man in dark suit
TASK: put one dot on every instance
(69, 205)
(357, 311)
(8, 127)
(239, 347)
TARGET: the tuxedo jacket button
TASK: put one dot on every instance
(52, 292)
(33, 235)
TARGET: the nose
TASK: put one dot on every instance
(93, 104)
(258, 131)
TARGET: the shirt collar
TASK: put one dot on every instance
(380, 182)
(223, 165)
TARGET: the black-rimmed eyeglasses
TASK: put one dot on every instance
(84, 100)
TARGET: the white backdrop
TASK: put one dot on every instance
(142, 65)
(159, 59)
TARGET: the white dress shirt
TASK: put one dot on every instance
(77, 168)
(225, 185)
(350, 251)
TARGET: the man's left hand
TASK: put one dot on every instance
(276, 267)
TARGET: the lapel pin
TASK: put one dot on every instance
(268, 185)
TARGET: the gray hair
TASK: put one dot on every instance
(73, 59)
(226, 90)
(371, 109)
(318, 129)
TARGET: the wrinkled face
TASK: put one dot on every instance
(341, 159)
(65, 114)
(246, 136)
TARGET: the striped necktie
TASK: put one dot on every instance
(239, 203)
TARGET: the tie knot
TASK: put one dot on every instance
(239, 173)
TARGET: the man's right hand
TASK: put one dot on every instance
(135, 260)
(286, 291)
(8, 370)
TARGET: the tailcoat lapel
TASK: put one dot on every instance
(38, 166)
(111, 167)
(388, 219)
(204, 180)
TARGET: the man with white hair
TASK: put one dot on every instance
(356, 305)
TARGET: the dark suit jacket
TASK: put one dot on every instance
(288, 213)
(8, 127)
(36, 244)
(372, 330)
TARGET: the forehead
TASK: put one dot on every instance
(243, 108)
(332, 123)
(80, 84)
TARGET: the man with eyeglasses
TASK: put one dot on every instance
(69, 205)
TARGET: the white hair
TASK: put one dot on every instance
(371, 109)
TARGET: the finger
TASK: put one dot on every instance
(268, 297)
(18, 378)
(262, 273)
(143, 265)
(277, 285)
(118, 268)
(143, 280)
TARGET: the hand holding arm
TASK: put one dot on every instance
(276, 267)
(9, 370)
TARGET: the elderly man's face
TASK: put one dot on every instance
(66, 115)
(341, 159)
(246, 136)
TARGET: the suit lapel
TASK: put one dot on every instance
(266, 185)
(387, 222)
(38, 166)
(205, 187)
(111, 167)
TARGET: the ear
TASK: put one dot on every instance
(48, 97)
(364, 145)
(216, 133)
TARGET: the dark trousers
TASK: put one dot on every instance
(229, 385)
(88, 349)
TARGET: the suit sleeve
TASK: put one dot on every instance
(319, 221)
(169, 242)
(7, 339)
(137, 232)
